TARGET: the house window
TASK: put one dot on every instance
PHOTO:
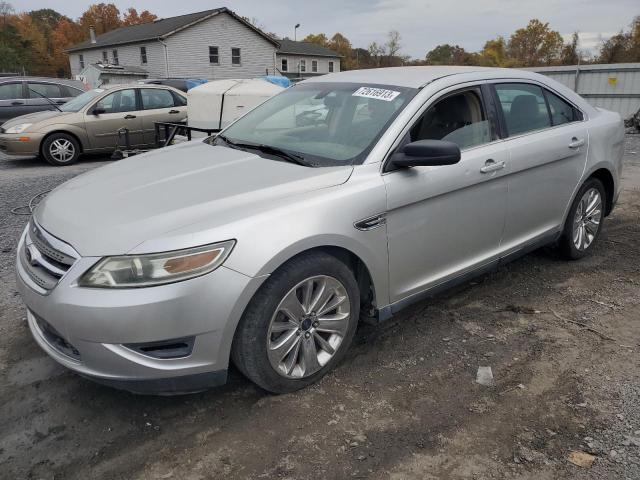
(314, 65)
(303, 65)
(285, 65)
(143, 55)
(81, 58)
(115, 57)
(105, 56)
(330, 67)
(235, 56)
(213, 55)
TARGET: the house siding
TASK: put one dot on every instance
(127, 55)
(189, 50)
(294, 60)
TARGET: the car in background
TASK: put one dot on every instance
(22, 95)
(91, 123)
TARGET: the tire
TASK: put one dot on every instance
(570, 238)
(264, 324)
(61, 149)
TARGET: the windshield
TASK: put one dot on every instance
(324, 124)
(80, 101)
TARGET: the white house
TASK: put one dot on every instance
(304, 60)
(214, 44)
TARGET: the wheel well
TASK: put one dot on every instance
(360, 271)
(60, 131)
(606, 178)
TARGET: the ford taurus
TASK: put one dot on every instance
(343, 199)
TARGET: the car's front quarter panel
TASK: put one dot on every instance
(73, 125)
(324, 217)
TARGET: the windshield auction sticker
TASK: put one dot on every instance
(378, 93)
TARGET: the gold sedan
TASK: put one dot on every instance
(90, 123)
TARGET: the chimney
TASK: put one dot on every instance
(92, 33)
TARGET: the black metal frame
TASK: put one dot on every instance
(170, 130)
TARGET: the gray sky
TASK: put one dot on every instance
(422, 24)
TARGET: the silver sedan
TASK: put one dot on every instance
(267, 244)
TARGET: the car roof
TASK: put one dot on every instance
(124, 86)
(417, 77)
(63, 81)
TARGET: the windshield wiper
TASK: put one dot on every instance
(269, 150)
(46, 98)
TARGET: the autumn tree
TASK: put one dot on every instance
(623, 47)
(103, 16)
(133, 18)
(341, 45)
(570, 54)
(317, 38)
(534, 45)
(494, 53)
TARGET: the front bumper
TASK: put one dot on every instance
(93, 328)
(16, 144)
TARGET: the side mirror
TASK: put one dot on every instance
(98, 111)
(426, 153)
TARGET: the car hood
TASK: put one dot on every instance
(35, 117)
(112, 209)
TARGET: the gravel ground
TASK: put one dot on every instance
(404, 405)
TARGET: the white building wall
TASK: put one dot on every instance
(294, 60)
(127, 55)
(189, 50)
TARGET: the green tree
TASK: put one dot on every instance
(447, 55)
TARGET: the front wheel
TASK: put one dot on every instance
(60, 149)
(584, 221)
(299, 325)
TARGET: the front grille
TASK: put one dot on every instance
(55, 340)
(45, 258)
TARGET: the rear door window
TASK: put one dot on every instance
(523, 106)
(561, 111)
(49, 90)
(155, 98)
(11, 91)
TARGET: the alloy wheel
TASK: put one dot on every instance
(62, 150)
(308, 326)
(587, 219)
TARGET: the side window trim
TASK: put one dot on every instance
(430, 102)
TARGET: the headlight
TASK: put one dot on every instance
(18, 128)
(130, 271)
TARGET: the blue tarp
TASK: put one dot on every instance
(194, 82)
(276, 80)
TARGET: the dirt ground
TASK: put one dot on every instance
(562, 339)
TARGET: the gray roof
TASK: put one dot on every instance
(158, 29)
(305, 48)
(120, 69)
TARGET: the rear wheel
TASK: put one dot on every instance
(60, 149)
(584, 222)
(299, 325)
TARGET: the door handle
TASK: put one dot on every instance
(129, 117)
(17, 103)
(576, 143)
(174, 111)
(491, 166)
